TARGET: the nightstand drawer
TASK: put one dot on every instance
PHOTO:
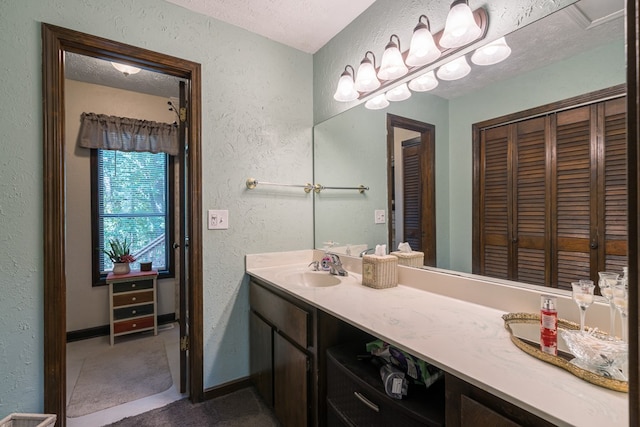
(133, 325)
(132, 285)
(135, 311)
(132, 298)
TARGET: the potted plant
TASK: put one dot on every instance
(119, 253)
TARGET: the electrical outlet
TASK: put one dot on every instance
(218, 219)
(379, 216)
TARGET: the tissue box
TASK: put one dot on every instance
(410, 259)
(380, 272)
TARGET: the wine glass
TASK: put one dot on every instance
(583, 296)
(621, 301)
(606, 282)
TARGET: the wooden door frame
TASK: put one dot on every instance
(428, 144)
(55, 42)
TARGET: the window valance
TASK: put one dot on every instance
(125, 134)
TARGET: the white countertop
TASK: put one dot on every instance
(465, 339)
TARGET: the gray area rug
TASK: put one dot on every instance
(241, 408)
(122, 373)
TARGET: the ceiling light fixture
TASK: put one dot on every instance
(454, 70)
(125, 69)
(461, 27)
(366, 80)
(492, 53)
(392, 66)
(424, 83)
(346, 88)
(423, 49)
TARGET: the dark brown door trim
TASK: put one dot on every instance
(55, 42)
(428, 147)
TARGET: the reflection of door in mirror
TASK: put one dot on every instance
(550, 191)
(411, 180)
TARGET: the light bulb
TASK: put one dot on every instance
(125, 69)
(346, 91)
(454, 70)
(460, 28)
(398, 93)
(492, 53)
(392, 66)
(424, 83)
(423, 49)
(377, 103)
(366, 80)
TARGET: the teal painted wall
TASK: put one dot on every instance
(257, 117)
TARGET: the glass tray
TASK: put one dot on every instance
(526, 339)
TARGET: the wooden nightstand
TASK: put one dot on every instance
(132, 303)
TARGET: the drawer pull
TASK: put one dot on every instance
(133, 285)
(366, 401)
(133, 312)
(134, 325)
(133, 298)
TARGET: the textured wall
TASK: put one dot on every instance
(372, 29)
(257, 118)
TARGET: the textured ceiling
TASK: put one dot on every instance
(585, 25)
(306, 25)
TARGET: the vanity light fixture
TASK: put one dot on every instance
(424, 83)
(346, 88)
(377, 103)
(454, 70)
(399, 93)
(125, 69)
(423, 49)
(492, 53)
(423, 52)
(461, 27)
(392, 66)
(366, 80)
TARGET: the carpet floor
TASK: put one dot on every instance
(119, 374)
(241, 408)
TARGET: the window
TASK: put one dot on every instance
(132, 198)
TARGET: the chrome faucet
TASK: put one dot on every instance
(335, 266)
(366, 251)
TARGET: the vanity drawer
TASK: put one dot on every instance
(132, 298)
(135, 311)
(133, 325)
(133, 285)
(356, 394)
(285, 316)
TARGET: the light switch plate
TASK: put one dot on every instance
(380, 217)
(218, 219)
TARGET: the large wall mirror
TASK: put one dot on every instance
(576, 50)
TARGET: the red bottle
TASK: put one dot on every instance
(548, 325)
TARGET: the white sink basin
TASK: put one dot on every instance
(313, 279)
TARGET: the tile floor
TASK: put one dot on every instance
(78, 350)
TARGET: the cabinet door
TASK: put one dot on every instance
(260, 360)
(290, 383)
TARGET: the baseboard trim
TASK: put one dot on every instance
(100, 331)
(227, 388)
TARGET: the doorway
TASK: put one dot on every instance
(56, 42)
(411, 185)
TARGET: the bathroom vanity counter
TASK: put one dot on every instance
(464, 338)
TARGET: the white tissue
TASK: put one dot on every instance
(381, 250)
(404, 247)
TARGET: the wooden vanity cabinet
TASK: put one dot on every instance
(281, 354)
(288, 340)
(468, 405)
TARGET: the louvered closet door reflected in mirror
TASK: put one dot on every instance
(550, 193)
